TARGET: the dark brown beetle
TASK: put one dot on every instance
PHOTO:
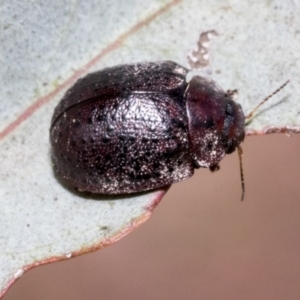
(137, 127)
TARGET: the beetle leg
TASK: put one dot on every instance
(215, 168)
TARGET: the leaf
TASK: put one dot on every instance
(44, 49)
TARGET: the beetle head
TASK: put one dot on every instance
(216, 122)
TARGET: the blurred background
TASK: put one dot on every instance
(201, 242)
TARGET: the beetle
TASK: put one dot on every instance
(137, 127)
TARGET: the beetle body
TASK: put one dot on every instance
(133, 128)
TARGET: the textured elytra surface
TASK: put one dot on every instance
(124, 129)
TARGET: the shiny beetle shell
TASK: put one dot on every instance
(132, 128)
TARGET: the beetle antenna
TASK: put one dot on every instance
(240, 153)
(249, 116)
